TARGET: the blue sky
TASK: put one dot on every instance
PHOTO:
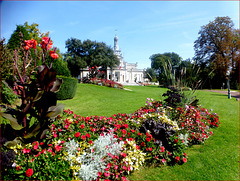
(144, 28)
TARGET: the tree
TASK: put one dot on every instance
(88, 53)
(34, 32)
(175, 58)
(218, 46)
(14, 42)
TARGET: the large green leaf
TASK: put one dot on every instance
(14, 142)
(13, 121)
(54, 111)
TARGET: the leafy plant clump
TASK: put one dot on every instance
(30, 120)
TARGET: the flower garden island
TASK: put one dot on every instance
(47, 142)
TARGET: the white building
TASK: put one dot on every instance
(125, 73)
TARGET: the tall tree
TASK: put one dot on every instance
(88, 53)
(218, 45)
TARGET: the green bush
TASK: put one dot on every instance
(7, 95)
(68, 88)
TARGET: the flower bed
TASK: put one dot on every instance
(105, 82)
(110, 148)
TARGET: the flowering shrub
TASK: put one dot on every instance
(110, 148)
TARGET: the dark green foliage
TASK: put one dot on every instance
(174, 98)
(7, 95)
(68, 88)
(160, 132)
(14, 41)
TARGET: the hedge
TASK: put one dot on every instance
(68, 88)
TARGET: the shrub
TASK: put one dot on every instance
(7, 95)
(68, 88)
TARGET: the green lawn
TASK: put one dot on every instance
(217, 159)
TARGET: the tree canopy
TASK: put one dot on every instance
(88, 53)
(218, 45)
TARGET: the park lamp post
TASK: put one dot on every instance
(228, 77)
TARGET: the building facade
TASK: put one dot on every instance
(125, 73)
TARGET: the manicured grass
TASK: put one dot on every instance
(216, 159)
(104, 101)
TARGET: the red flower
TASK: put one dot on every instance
(46, 41)
(176, 140)
(35, 145)
(83, 137)
(82, 126)
(109, 165)
(116, 167)
(148, 139)
(184, 160)
(124, 131)
(124, 179)
(142, 144)
(77, 134)
(90, 142)
(150, 149)
(88, 135)
(18, 168)
(177, 158)
(126, 125)
(29, 172)
(162, 149)
(53, 54)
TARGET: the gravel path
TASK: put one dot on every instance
(233, 93)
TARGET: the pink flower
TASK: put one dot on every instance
(162, 149)
(107, 174)
(116, 167)
(99, 174)
(54, 135)
(59, 129)
(124, 179)
(109, 165)
(124, 167)
(184, 160)
(163, 160)
(123, 154)
(25, 150)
